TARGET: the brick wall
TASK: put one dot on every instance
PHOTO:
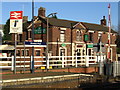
(30, 53)
(77, 70)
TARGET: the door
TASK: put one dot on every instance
(81, 53)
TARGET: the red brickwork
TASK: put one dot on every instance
(77, 70)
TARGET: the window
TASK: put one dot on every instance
(99, 37)
(62, 52)
(27, 52)
(62, 35)
(22, 52)
(79, 36)
(91, 37)
(37, 53)
(89, 52)
(18, 52)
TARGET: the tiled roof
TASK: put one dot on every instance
(70, 24)
(97, 27)
(61, 22)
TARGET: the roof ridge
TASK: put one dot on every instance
(64, 19)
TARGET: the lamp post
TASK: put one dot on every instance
(47, 49)
(32, 62)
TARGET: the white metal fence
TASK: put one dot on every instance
(52, 61)
(116, 68)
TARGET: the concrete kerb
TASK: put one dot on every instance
(42, 79)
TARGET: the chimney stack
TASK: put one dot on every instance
(25, 19)
(41, 11)
(103, 21)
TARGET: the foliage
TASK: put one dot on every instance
(6, 31)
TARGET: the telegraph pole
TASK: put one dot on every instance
(32, 62)
(109, 23)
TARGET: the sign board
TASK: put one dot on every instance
(90, 46)
(16, 22)
(63, 45)
(35, 43)
(42, 67)
(86, 38)
(50, 67)
(39, 30)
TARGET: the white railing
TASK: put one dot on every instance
(58, 61)
(116, 68)
(11, 62)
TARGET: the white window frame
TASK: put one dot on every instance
(62, 35)
(78, 35)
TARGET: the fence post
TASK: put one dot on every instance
(12, 63)
(76, 61)
(48, 62)
(101, 58)
(62, 61)
(100, 67)
(31, 59)
(87, 61)
(73, 58)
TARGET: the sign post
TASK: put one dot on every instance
(16, 28)
(16, 22)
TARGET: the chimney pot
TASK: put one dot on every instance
(41, 11)
(103, 21)
(25, 18)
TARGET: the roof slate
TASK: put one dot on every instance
(62, 23)
(70, 24)
(97, 27)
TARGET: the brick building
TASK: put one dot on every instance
(66, 38)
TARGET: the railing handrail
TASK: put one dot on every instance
(64, 60)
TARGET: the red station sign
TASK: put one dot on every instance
(16, 15)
